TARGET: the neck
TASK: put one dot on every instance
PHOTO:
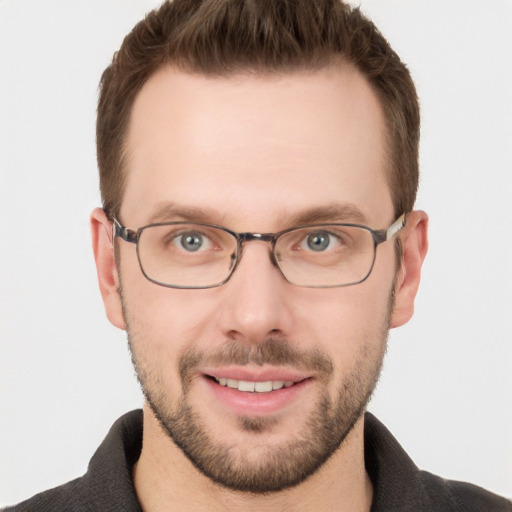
(166, 480)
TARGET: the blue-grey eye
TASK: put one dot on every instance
(191, 241)
(319, 241)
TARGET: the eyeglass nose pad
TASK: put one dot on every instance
(274, 257)
(233, 261)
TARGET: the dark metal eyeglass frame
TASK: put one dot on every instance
(379, 236)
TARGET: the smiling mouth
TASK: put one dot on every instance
(254, 387)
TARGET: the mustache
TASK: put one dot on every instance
(273, 351)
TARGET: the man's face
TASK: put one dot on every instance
(259, 154)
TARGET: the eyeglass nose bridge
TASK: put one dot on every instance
(271, 238)
(263, 237)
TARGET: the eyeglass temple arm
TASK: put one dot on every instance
(395, 227)
(125, 233)
(383, 236)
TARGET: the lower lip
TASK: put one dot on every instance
(257, 404)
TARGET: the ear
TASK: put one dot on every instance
(108, 278)
(414, 249)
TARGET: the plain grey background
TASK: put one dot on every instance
(65, 372)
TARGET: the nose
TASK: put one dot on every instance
(256, 300)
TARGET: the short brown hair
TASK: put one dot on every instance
(221, 37)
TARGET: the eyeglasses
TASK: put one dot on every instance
(195, 255)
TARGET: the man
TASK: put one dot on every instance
(258, 239)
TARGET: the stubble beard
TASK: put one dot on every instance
(326, 427)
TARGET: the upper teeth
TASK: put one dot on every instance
(259, 387)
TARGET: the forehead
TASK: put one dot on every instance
(256, 147)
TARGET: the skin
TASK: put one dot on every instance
(256, 153)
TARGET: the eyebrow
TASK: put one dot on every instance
(335, 212)
(170, 211)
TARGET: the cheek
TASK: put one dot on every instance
(171, 320)
(349, 322)
(162, 321)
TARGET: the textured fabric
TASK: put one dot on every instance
(107, 486)
(398, 484)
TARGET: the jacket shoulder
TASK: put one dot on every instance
(65, 498)
(461, 496)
